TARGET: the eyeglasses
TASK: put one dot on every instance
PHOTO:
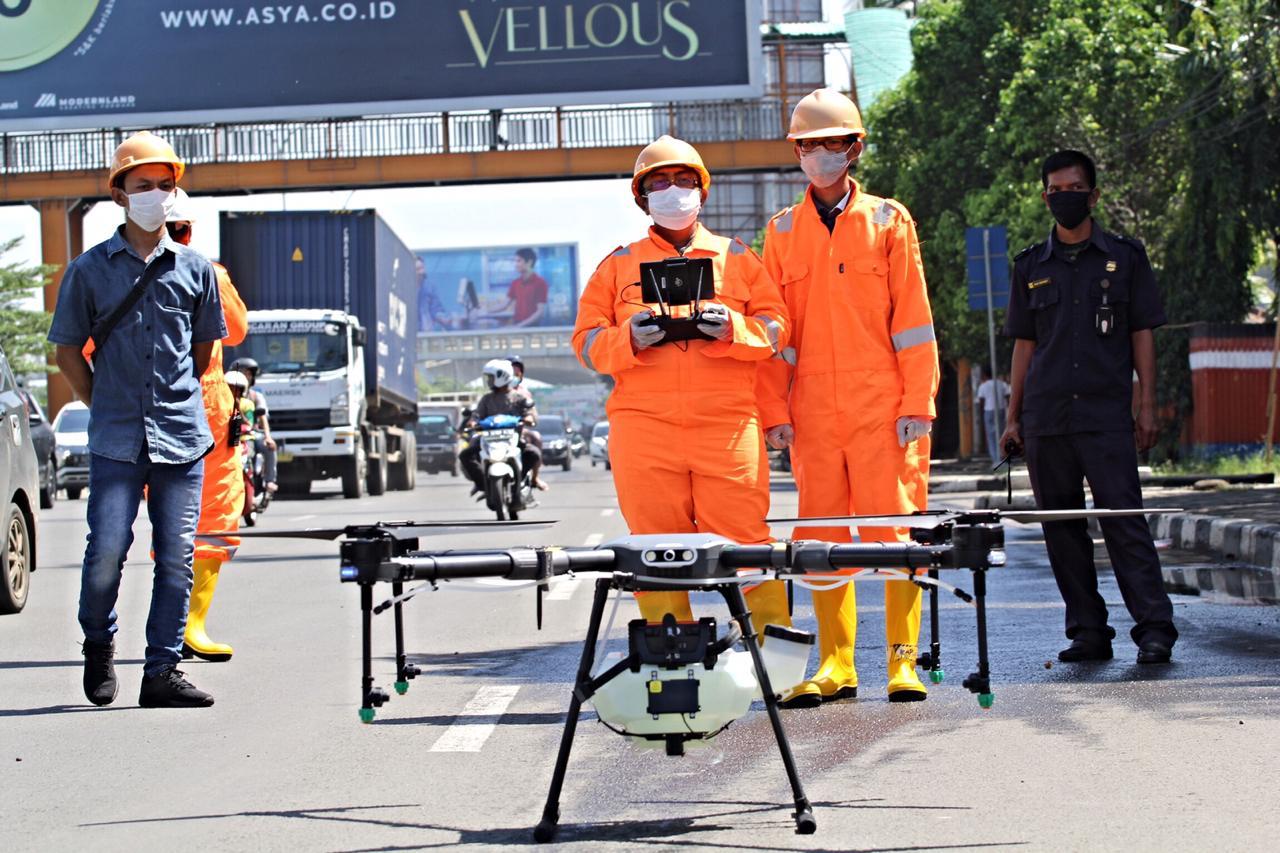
(684, 182)
(834, 144)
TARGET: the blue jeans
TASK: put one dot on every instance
(173, 504)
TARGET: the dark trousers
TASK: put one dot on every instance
(1108, 460)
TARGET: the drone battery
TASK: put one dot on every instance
(677, 281)
(671, 644)
(676, 696)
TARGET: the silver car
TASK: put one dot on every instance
(20, 488)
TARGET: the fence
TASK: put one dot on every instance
(430, 133)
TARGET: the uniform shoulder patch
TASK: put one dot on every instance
(738, 247)
(619, 252)
(1027, 250)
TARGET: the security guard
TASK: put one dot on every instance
(1082, 309)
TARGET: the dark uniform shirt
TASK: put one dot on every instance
(505, 402)
(1080, 380)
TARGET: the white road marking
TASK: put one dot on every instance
(304, 517)
(607, 512)
(593, 540)
(478, 719)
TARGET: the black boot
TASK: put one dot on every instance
(170, 689)
(100, 685)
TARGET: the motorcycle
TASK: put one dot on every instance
(256, 495)
(508, 487)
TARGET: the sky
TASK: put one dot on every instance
(597, 215)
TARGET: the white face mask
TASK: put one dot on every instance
(674, 207)
(151, 208)
(825, 168)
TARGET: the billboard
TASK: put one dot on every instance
(78, 63)
(497, 288)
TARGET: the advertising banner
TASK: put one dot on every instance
(97, 63)
(497, 287)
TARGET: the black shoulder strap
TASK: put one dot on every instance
(103, 330)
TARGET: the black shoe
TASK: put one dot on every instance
(1154, 651)
(1082, 650)
(100, 684)
(170, 689)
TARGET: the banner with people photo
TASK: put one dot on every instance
(503, 287)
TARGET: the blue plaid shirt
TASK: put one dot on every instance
(146, 394)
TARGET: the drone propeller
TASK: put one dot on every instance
(935, 519)
(394, 529)
(923, 520)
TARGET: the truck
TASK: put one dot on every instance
(332, 299)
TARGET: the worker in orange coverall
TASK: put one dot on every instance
(852, 396)
(222, 499)
(685, 438)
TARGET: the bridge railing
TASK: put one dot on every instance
(428, 133)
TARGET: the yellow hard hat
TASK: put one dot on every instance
(142, 148)
(825, 112)
(668, 151)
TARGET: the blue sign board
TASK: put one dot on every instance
(987, 253)
(102, 63)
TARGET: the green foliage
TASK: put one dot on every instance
(23, 330)
(1253, 463)
(1179, 104)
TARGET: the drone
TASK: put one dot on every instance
(681, 683)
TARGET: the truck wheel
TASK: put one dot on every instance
(49, 489)
(354, 473)
(378, 464)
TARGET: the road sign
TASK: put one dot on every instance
(985, 246)
(987, 259)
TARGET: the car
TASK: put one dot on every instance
(46, 449)
(555, 442)
(20, 489)
(437, 443)
(600, 444)
(71, 431)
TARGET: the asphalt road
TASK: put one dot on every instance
(1070, 757)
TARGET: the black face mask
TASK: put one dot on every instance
(1070, 207)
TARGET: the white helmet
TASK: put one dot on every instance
(499, 372)
(181, 211)
(236, 379)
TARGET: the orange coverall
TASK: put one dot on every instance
(862, 355)
(222, 498)
(685, 439)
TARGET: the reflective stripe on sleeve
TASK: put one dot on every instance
(586, 347)
(913, 337)
(773, 327)
(788, 355)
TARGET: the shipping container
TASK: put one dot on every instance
(345, 260)
(1230, 379)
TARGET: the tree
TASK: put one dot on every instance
(23, 330)
(1178, 103)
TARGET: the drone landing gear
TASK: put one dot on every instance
(373, 697)
(980, 682)
(932, 659)
(585, 686)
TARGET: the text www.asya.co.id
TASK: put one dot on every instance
(275, 14)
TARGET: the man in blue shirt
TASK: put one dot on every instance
(147, 426)
(1082, 309)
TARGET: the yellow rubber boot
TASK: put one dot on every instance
(836, 610)
(902, 632)
(655, 605)
(195, 642)
(768, 606)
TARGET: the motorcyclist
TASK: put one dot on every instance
(502, 399)
(531, 435)
(263, 443)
